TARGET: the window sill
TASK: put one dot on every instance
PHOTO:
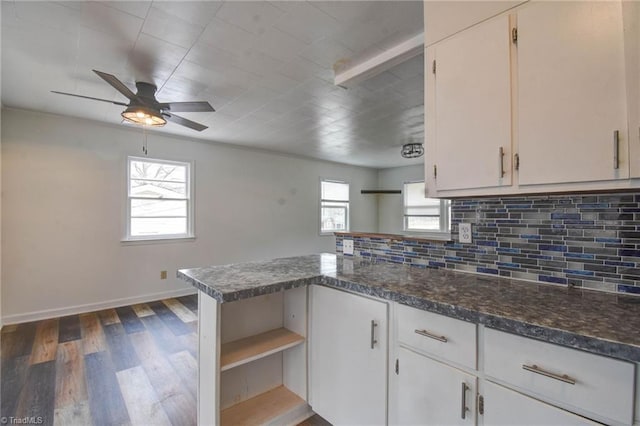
(161, 240)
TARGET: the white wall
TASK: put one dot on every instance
(63, 184)
(390, 207)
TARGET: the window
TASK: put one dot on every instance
(424, 214)
(159, 201)
(334, 206)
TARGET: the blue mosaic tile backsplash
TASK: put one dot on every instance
(592, 241)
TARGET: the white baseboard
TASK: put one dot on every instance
(90, 307)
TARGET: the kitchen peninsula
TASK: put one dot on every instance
(256, 329)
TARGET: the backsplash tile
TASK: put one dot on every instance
(591, 241)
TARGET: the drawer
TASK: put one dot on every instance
(448, 338)
(579, 381)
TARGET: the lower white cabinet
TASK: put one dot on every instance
(509, 408)
(348, 357)
(429, 392)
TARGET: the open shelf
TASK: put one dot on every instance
(264, 408)
(258, 346)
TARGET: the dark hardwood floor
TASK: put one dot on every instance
(134, 365)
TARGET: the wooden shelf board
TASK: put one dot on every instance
(262, 408)
(258, 346)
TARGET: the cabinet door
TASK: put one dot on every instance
(348, 357)
(431, 393)
(571, 92)
(506, 407)
(471, 112)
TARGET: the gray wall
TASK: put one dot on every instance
(63, 184)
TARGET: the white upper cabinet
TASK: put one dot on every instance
(571, 93)
(554, 107)
(470, 83)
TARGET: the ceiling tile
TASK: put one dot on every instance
(305, 22)
(110, 21)
(135, 8)
(170, 28)
(49, 15)
(254, 17)
(198, 13)
(154, 60)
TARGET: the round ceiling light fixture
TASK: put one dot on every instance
(412, 150)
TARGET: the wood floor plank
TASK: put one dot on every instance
(169, 318)
(105, 399)
(45, 343)
(71, 388)
(129, 319)
(163, 338)
(141, 399)
(190, 342)
(69, 328)
(93, 339)
(10, 328)
(142, 310)
(76, 414)
(108, 317)
(122, 353)
(177, 401)
(20, 342)
(181, 311)
(187, 368)
(190, 301)
(14, 374)
(38, 393)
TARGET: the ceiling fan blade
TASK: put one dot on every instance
(116, 84)
(184, 122)
(187, 106)
(89, 97)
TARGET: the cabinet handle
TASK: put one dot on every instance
(616, 149)
(373, 333)
(463, 406)
(501, 158)
(563, 378)
(425, 333)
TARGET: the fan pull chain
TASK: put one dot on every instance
(144, 140)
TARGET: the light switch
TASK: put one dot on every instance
(464, 233)
(347, 247)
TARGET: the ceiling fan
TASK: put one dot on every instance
(144, 109)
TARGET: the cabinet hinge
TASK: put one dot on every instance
(516, 160)
(433, 66)
(435, 171)
(480, 404)
(514, 35)
(397, 366)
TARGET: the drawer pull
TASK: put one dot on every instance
(425, 333)
(463, 407)
(535, 369)
(373, 333)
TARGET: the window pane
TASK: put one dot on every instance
(423, 223)
(151, 189)
(158, 171)
(158, 226)
(415, 202)
(333, 219)
(334, 191)
(158, 208)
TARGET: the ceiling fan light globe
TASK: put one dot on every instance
(143, 116)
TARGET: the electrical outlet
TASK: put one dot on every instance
(163, 275)
(347, 247)
(464, 233)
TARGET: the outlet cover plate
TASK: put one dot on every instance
(464, 233)
(347, 247)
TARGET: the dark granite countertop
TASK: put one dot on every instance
(597, 322)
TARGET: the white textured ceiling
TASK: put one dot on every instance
(266, 67)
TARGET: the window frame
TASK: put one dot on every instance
(347, 207)
(190, 232)
(444, 215)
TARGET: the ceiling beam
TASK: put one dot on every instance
(381, 62)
